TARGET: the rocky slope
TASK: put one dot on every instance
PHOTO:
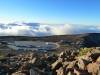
(65, 63)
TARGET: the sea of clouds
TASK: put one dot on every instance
(40, 29)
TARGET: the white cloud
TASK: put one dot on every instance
(36, 29)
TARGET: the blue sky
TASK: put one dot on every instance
(51, 11)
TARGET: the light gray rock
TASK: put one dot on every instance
(18, 73)
(60, 71)
(98, 59)
(55, 64)
(82, 64)
(32, 61)
(71, 64)
(69, 73)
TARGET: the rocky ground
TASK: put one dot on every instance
(67, 62)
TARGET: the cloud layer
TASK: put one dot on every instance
(38, 29)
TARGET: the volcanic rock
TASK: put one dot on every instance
(93, 68)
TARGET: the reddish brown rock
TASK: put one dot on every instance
(93, 68)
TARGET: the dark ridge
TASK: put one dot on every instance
(88, 39)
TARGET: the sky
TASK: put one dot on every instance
(85, 12)
(49, 17)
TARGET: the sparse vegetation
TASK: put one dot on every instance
(84, 51)
(2, 55)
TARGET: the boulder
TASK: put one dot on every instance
(65, 64)
(61, 54)
(60, 71)
(31, 56)
(93, 68)
(71, 64)
(98, 59)
(70, 73)
(95, 56)
(18, 73)
(76, 72)
(32, 61)
(56, 65)
(81, 64)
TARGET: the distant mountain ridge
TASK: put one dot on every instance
(88, 39)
